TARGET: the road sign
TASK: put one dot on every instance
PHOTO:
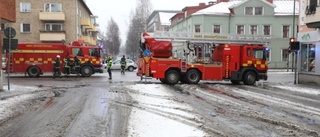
(9, 32)
(13, 44)
(146, 52)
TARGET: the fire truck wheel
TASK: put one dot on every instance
(163, 81)
(86, 71)
(172, 77)
(193, 76)
(33, 71)
(249, 78)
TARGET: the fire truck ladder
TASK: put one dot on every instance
(11, 62)
(211, 38)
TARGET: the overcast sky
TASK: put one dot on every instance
(120, 10)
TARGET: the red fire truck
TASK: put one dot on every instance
(35, 59)
(190, 57)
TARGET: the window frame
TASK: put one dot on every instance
(283, 31)
(22, 28)
(251, 11)
(25, 7)
(197, 27)
(214, 28)
(241, 30)
(264, 31)
(51, 24)
(49, 9)
(285, 55)
(256, 29)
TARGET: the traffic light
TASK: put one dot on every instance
(294, 45)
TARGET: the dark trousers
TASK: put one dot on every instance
(67, 70)
(109, 72)
(56, 71)
(123, 69)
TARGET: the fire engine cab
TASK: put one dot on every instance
(35, 59)
(190, 57)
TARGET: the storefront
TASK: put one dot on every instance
(309, 57)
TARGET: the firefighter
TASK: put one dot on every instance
(109, 64)
(123, 63)
(66, 65)
(76, 63)
(56, 67)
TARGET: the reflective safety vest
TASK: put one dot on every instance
(67, 63)
(109, 63)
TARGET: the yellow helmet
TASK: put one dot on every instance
(110, 57)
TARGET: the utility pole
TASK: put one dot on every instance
(295, 53)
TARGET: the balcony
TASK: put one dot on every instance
(312, 18)
(52, 36)
(52, 16)
(85, 22)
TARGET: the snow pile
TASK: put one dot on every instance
(157, 109)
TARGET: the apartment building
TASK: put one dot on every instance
(309, 37)
(54, 21)
(248, 17)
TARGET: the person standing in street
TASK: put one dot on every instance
(66, 65)
(109, 64)
(123, 63)
(76, 63)
(56, 67)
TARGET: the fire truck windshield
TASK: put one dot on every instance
(259, 54)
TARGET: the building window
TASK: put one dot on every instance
(25, 7)
(25, 27)
(52, 7)
(285, 55)
(308, 57)
(2, 27)
(266, 30)
(197, 29)
(53, 27)
(285, 31)
(216, 28)
(253, 29)
(240, 29)
(253, 11)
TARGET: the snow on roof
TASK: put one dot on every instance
(282, 7)
(219, 8)
(165, 17)
(285, 7)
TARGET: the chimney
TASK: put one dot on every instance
(202, 4)
(271, 1)
(218, 1)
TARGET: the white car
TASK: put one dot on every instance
(131, 65)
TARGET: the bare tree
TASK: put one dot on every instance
(137, 26)
(113, 38)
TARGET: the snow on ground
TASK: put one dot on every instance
(163, 119)
(294, 88)
(10, 99)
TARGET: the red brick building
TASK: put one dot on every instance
(7, 14)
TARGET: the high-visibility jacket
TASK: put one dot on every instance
(109, 63)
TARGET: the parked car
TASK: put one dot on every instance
(131, 65)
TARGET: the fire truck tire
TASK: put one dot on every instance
(193, 76)
(172, 77)
(163, 81)
(34, 71)
(249, 78)
(86, 71)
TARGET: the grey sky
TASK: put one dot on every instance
(120, 10)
